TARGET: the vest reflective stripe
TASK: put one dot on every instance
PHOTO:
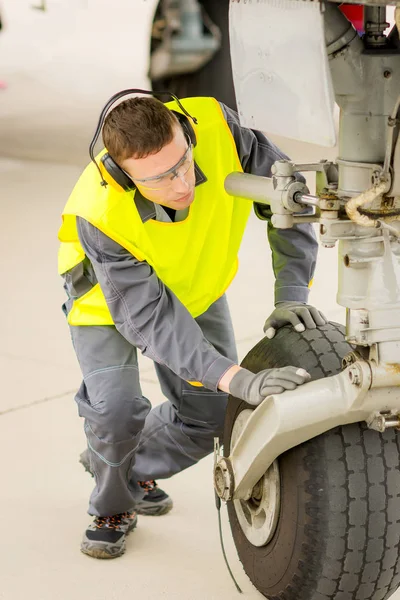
(196, 258)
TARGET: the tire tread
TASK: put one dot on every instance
(350, 539)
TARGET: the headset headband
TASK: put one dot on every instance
(114, 99)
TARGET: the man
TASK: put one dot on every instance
(146, 265)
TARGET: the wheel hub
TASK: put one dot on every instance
(258, 515)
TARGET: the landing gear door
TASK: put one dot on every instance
(280, 68)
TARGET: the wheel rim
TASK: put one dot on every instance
(258, 516)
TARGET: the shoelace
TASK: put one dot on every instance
(113, 522)
(148, 486)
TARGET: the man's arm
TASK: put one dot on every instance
(294, 251)
(148, 314)
(152, 318)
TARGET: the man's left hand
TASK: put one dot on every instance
(301, 316)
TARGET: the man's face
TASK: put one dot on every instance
(166, 177)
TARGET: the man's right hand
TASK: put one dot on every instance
(254, 388)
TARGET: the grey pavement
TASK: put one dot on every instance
(46, 117)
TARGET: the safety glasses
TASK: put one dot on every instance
(165, 180)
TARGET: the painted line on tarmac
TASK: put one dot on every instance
(50, 398)
(41, 401)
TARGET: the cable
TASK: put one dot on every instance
(395, 232)
(218, 505)
(353, 205)
(391, 126)
(380, 214)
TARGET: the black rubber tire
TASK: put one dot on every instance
(338, 533)
(215, 78)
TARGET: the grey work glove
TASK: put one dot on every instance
(254, 388)
(301, 316)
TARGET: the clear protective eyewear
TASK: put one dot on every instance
(165, 180)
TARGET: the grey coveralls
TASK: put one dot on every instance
(127, 440)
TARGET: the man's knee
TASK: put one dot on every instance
(114, 413)
(122, 418)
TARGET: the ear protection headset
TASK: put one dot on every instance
(109, 164)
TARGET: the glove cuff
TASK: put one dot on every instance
(240, 382)
(288, 303)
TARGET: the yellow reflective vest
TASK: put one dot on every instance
(196, 258)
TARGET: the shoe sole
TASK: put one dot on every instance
(154, 511)
(101, 551)
(147, 510)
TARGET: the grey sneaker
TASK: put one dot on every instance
(154, 503)
(105, 537)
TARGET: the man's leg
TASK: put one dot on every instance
(178, 433)
(114, 409)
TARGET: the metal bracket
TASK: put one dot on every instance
(223, 474)
(380, 421)
(286, 420)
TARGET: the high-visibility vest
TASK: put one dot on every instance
(195, 258)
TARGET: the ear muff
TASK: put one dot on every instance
(117, 173)
(186, 126)
(109, 164)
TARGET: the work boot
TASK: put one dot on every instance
(154, 503)
(105, 537)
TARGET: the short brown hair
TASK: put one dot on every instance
(138, 127)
